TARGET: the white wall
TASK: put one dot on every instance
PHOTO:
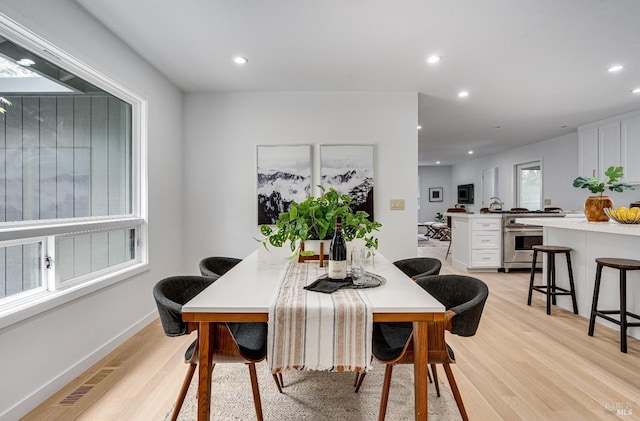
(560, 167)
(40, 355)
(435, 176)
(222, 131)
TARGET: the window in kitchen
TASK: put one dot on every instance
(71, 184)
(529, 185)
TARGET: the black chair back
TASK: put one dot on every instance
(217, 266)
(464, 295)
(171, 294)
(419, 266)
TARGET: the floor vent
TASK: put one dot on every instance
(100, 376)
(115, 363)
(76, 395)
(81, 391)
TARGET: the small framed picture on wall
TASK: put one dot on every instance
(435, 194)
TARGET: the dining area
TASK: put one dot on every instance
(324, 332)
(499, 372)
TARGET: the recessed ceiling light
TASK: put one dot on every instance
(25, 62)
(240, 60)
(419, 127)
(470, 152)
(437, 162)
(616, 68)
(463, 94)
(636, 91)
(434, 59)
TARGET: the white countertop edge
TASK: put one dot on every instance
(581, 224)
(474, 215)
(232, 310)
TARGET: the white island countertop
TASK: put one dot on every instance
(473, 215)
(581, 224)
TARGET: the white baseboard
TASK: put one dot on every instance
(26, 405)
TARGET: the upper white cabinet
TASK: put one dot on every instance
(630, 136)
(611, 142)
(588, 152)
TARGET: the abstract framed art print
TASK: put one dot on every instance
(349, 169)
(284, 176)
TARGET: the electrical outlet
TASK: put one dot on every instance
(547, 202)
(396, 204)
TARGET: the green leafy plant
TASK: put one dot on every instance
(597, 185)
(439, 217)
(314, 219)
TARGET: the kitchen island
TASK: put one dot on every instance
(476, 241)
(591, 240)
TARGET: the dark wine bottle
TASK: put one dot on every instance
(338, 253)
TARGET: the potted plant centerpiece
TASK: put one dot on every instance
(594, 205)
(314, 219)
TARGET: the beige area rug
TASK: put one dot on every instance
(315, 396)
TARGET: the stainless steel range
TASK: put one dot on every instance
(518, 238)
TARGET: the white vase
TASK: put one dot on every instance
(314, 245)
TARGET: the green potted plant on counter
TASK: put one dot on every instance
(594, 205)
(314, 219)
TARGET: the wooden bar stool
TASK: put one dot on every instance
(550, 288)
(623, 265)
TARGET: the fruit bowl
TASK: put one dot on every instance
(624, 215)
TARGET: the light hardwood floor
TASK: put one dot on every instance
(521, 365)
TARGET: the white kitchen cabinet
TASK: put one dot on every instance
(599, 148)
(588, 152)
(611, 142)
(476, 242)
(630, 136)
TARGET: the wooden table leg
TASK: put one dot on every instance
(420, 369)
(205, 345)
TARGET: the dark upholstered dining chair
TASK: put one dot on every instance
(236, 343)
(216, 266)
(413, 267)
(419, 266)
(464, 298)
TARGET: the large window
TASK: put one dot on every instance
(529, 185)
(70, 175)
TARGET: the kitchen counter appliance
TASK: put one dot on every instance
(519, 238)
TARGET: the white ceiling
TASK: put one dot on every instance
(531, 66)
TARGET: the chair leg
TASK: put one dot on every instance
(435, 378)
(550, 271)
(594, 303)
(359, 380)
(255, 390)
(456, 392)
(429, 376)
(623, 310)
(572, 285)
(532, 276)
(553, 278)
(277, 380)
(183, 391)
(448, 250)
(386, 385)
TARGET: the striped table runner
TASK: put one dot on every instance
(315, 331)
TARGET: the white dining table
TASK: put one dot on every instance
(245, 294)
